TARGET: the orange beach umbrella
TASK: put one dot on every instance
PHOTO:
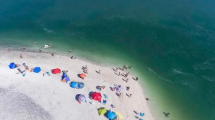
(82, 75)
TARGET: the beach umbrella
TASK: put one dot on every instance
(65, 78)
(56, 71)
(82, 75)
(111, 115)
(12, 65)
(97, 96)
(81, 85)
(37, 69)
(102, 111)
(74, 84)
(81, 98)
(119, 88)
(119, 115)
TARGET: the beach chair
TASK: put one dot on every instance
(104, 102)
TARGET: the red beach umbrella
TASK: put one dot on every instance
(97, 96)
(56, 71)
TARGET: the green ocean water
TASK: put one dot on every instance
(170, 44)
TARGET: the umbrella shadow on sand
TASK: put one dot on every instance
(76, 97)
(90, 94)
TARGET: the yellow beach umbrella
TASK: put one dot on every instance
(102, 111)
(119, 115)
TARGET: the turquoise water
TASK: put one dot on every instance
(170, 44)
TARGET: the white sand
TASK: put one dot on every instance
(35, 97)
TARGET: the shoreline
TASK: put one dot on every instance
(28, 54)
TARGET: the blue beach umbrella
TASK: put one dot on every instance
(74, 84)
(111, 115)
(81, 85)
(12, 65)
(37, 69)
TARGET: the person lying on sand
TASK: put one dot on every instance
(137, 113)
(127, 88)
(112, 106)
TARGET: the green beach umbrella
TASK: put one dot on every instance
(102, 111)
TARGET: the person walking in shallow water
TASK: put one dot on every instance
(166, 114)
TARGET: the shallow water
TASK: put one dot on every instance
(170, 44)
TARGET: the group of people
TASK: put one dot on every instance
(85, 70)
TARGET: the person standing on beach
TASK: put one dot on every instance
(40, 50)
(119, 74)
(136, 78)
(116, 69)
(126, 75)
(23, 47)
(123, 68)
(147, 99)
(21, 56)
(130, 95)
(99, 72)
(127, 79)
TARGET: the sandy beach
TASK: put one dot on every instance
(38, 97)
